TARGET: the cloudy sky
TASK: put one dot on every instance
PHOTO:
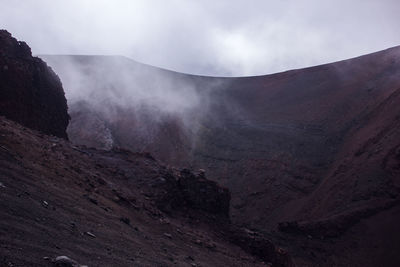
(211, 37)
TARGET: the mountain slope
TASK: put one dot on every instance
(100, 208)
(308, 152)
(271, 139)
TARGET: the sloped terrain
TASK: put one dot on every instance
(114, 208)
(309, 154)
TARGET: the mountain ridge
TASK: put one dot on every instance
(216, 76)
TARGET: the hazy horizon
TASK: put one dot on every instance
(226, 38)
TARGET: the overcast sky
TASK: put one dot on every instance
(211, 37)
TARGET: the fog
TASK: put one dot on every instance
(104, 80)
(220, 38)
(215, 38)
(115, 95)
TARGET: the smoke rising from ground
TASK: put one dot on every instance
(107, 80)
(103, 91)
(224, 37)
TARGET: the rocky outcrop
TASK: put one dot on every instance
(30, 92)
(187, 194)
(186, 190)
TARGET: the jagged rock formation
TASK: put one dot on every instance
(30, 92)
(186, 190)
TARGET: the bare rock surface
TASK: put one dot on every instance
(30, 92)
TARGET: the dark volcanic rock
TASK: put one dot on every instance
(187, 190)
(30, 92)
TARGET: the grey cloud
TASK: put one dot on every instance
(208, 37)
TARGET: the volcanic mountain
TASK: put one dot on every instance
(311, 158)
(308, 153)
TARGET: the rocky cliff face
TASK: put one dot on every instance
(30, 92)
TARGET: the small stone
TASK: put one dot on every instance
(64, 261)
(94, 201)
(90, 234)
(45, 203)
(125, 220)
(168, 235)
